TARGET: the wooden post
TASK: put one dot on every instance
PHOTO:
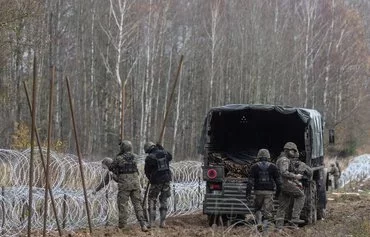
(30, 181)
(64, 210)
(174, 198)
(160, 139)
(79, 154)
(123, 94)
(107, 205)
(47, 178)
(198, 190)
(3, 209)
(43, 164)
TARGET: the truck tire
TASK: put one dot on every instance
(312, 204)
(321, 194)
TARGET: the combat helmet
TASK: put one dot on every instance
(263, 154)
(291, 146)
(148, 146)
(125, 146)
(107, 161)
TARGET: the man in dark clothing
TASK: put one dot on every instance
(157, 170)
(266, 180)
(125, 168)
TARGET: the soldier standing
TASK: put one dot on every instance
(125, 168)
(335, 171)
(264, 177)
(157, 170)
(291, 187)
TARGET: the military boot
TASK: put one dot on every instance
(143, 226)
(259, 217)
(123, 228)
(259, 220)
(297, 221)
(297, 208)
(152, 214)
(163, 214)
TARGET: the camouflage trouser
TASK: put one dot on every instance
(264, 205)
(164, 192)
(289, 192)
(122, 201)
(336, 182)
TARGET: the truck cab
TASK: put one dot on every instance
(231, 137)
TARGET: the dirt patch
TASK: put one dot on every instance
(344, 217)
(347, 216)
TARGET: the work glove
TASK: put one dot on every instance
(160, 147)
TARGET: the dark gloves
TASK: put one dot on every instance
(305, 181)
(159, 146)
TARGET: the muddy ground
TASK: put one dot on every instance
(347, 215)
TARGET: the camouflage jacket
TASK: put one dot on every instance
(107, 178)
(283, 164)
(128, 181)
(299, 167)
(333, 170)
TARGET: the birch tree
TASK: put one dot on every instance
(119, 35)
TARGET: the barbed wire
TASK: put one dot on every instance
(65, 181)
(357, 170)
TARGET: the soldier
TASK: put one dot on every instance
(125, 168)
(335, 171)
(264, 177)
(106, 163)
(157, 170)
(291, 187)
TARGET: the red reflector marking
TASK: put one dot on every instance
(215, 186)
(212, 173)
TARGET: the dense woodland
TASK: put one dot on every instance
(306, 53)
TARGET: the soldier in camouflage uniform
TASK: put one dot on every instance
(157, 170)
(335, 171)
(291, 187)
(264, 177)
(125, 168)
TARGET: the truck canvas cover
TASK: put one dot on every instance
(240, 130)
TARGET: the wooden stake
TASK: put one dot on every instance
(79, 155)
(43, 165)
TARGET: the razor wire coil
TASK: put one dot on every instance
(65, 182)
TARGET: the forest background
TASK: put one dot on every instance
(305, 53)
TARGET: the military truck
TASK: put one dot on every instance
(231, 137)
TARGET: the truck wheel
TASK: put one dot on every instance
(321, 193)
(312, 212)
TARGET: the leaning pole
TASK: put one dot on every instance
(79, 155)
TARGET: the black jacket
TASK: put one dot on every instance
(157, 166)
(265, 175)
